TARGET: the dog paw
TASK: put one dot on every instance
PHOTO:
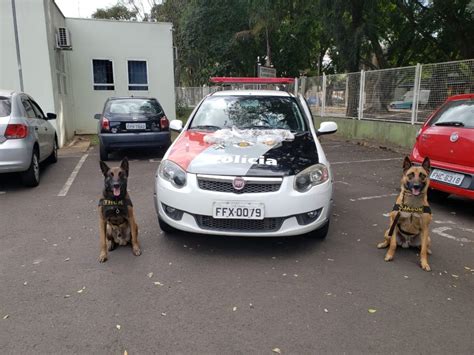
(137, 251)
(102, 258)
(388, 257)
(425, 266)
(382, 245)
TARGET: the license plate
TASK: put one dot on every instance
(447, 177)
(135, 125)
(238, 210)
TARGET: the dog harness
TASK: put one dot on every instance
(114, 207)
(408, 209)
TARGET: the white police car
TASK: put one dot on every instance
(247, 163)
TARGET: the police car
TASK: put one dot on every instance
(247, 163)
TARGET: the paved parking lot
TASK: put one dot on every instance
(216, 295)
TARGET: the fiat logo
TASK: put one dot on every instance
(238, 183)
(454, 137)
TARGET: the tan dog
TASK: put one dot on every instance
(411, 216)
(117, 224)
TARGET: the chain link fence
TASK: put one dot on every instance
(408, 94)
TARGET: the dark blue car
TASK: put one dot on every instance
(132, 122)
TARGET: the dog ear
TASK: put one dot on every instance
(406, 164)
(124, 165)
(426, 165)
(104, 167)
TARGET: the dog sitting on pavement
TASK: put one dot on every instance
(411, 215)
(117, 225)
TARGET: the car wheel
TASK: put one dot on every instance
(165, 227)
(104, 154)
(437, 196)
(321, 232)
(31, 177)
(53, 158)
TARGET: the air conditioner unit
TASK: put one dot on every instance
(63, 39)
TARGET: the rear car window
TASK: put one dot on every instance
(5, 106)
(269, 112)
(456, 113)
(134, 107)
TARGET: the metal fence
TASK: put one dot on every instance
(408, 94)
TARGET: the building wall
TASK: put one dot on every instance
(60, 74)
(36, 22)
(118, 41)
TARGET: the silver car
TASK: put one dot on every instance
(26, 136)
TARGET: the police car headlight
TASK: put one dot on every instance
(173, 173)
(309, 177)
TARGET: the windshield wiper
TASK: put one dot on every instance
(452, 123)
(206, 127)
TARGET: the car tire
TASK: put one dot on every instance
(104, 153)
(53, 158)
(321, 232)
(31, 177)
(437, 196)
(165, 227)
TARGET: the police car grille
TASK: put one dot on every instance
(250, 187)
(239, 225)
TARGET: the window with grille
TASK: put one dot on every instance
(137, 75)
(103, 70)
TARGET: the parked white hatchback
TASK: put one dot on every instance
(26, 136)
(247, 163)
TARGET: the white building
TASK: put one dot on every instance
(70, 66)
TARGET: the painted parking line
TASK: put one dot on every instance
(73, 175)
(372, 197)
(364, 161)
(441, 231)
(2, 192)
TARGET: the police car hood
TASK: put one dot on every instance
(254, 152)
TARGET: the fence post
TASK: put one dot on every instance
(323, 98)
(416, 94)
(361, 95)
(303, 85)
(296, 86)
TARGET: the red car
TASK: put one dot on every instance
(447, 138)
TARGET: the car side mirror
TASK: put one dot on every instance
(327, 128)
(51, 116)
(176, 125)
(97, 116)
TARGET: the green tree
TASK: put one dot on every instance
(116, 12)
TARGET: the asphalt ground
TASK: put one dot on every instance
(217, 295)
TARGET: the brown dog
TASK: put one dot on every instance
(117, 224)
(411, 216)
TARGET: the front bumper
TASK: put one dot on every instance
(135, 140)
(15, 155)
(466, 189)
(281, 208)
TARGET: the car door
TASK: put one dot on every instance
(46, 128)
(34, 124)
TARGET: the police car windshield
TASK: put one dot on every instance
(255, 112)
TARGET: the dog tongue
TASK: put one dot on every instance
(415, 192)
(116, 191)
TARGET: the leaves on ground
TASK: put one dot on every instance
(276, 350)
(81, 290)
(234, 309)
(118, 326)
(150, 275)
(6, 316)
(371, 310)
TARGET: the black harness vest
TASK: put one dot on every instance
(115, 211)
(405, 208)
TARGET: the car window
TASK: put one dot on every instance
(38, 111)
(30, 113)
(5, 106)
(461, 111)
(133, 107)
(272, 112)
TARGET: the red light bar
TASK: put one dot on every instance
(245, 80)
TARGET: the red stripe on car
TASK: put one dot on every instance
(189, 145)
